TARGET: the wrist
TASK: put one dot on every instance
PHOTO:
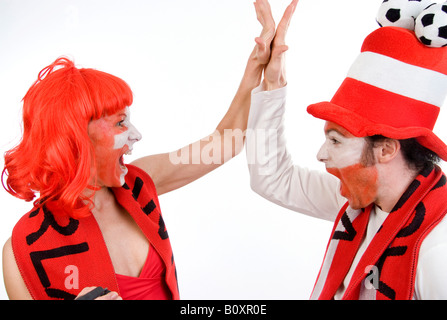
(273, 85)
(252, 75)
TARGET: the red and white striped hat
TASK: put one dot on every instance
(395, 88)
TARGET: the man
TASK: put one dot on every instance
(386, 195)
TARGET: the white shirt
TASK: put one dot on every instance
(316, 193)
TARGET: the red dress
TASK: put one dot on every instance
(150, 284)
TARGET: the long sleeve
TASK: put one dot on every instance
(274, 176)
(431, 279)
(272, 172)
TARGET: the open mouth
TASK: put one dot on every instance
(121, 158)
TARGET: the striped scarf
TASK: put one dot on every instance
(47, 247)
(387, 269)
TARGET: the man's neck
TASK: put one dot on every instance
(395, 178)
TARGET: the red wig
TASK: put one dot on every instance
(55, 157)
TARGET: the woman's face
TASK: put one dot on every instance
(112, 136)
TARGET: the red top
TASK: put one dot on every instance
(150, 285)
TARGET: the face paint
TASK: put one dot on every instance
(112, 136)
(342, 154)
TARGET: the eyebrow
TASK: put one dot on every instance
(343, 132)
(334, 130)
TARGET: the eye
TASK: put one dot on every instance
(122, 122)
(334, 141)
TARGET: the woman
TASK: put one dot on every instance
(97, 221)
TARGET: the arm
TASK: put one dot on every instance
(173, 170)
(431, 280)
(14, 284)
(170, 171)
(272, 172)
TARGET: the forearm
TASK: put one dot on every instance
(233, 125)
(237, 115)
(273, 174)
(175, 169)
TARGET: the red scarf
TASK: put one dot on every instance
(393, 253)
(49, 247)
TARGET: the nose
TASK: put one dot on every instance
(322, 154)
(134, 134)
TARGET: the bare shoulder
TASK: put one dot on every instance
(14, 284)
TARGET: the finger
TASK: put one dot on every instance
(87, 294)
(283, 25)
(278, 51)
(264, 14)
(261, 43)
(262, 51)
(85, 290)
(110, 296)
(287, 16)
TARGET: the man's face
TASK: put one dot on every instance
(342, 153)
(112, 136)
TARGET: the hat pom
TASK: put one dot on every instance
(427, 19)
(401, 13)
(431, 25)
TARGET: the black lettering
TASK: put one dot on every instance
(149, 207)
(162, 232)
(48, 221)
(415, 223)
(350, 232)
(38, 256)
(137, 188)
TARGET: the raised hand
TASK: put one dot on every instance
(263, 42)
(274, 73)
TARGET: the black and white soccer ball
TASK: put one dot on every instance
(431, 25)
(401, 13)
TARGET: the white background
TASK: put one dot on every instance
(184, 61)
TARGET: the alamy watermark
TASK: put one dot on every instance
(261, 147)
(72, 280)
(372, 279)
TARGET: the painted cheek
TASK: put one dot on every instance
(108, 169)
(121, 139)
(103, 137)
(347, 155)
(358, 184)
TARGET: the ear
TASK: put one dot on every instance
(387, 150)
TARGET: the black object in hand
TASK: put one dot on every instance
(95, 293)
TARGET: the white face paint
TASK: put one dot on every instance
(128, 137)
(342, 154)
(339, 151)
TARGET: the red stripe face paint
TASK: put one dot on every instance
(342, 154)
(357, 183)
(112, 136)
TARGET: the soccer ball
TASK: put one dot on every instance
(401, 13)
(431, 26)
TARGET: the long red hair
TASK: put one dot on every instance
(55, 158)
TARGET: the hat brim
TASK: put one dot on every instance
(362, 127)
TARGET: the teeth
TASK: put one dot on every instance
(129, 152)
